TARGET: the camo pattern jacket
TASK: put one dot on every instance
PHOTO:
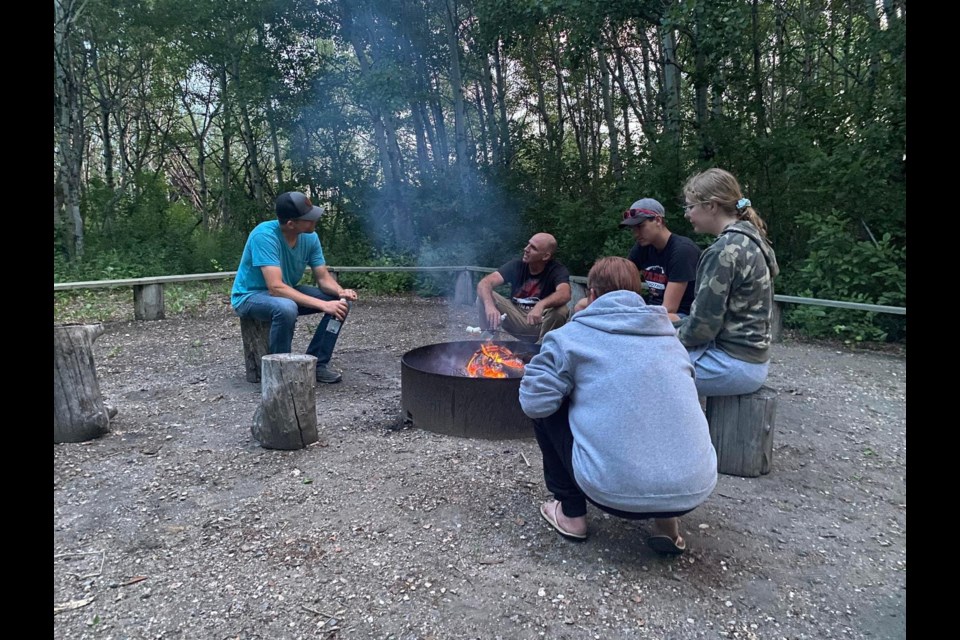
(734, 297)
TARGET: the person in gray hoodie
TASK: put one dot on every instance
(728, 331)
(616, 413)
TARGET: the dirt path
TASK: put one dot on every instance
(179, 525)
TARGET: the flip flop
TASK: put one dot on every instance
(550, 515)
(666, 545)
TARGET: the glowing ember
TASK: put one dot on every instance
(494, 361)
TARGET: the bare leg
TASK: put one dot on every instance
(667, 527)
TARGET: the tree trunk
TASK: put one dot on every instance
(608, 113)
(249, 139)
(78, 410)
(758, 107)
(287, 415)
(456, 86)
(225, 168)
(671, 87)
(420, 134)
(70, 132)
(624, 107)
(492, 129)
(502, 107)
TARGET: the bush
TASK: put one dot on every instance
(842, 267)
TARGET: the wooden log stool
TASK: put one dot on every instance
(741, 429)
(148, 301)
(464, 291)
(287, 415)
(256, 344)
(79, 413)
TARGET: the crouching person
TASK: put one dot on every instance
(617, 415)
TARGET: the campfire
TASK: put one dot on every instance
(494, 361)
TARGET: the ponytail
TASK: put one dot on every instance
(745, 211)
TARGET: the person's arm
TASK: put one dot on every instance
(546, 381)
(673, 294)
(485, 292)
(558, 298)
(710, 301)
(328, 284)
(273, 276)
(681, 271)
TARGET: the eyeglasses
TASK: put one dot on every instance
(687, 207)
(636, 213)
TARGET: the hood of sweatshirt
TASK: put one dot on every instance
(749, 230)
(625, 312)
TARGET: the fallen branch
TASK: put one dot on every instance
(131, 581)
(72, 604)
(319, 613)
(524, 458)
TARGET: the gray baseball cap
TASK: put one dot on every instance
(642, 209)
(294, 205)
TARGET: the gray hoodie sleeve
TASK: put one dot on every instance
(546, 381)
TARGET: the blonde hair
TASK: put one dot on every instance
(720, 187)
(613, 274)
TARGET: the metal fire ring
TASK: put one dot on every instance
(438, 396)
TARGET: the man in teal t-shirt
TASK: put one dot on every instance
(266, 285)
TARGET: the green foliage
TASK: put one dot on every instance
(840, 266)
(379, 281)
(138, 232)
(116, 304)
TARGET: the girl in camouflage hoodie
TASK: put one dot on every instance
(728, 331)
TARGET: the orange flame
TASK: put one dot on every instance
(494, 361)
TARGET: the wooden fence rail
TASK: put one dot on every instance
(148, 292)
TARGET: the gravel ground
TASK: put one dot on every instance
(177, 524)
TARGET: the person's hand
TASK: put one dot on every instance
(493, 316)
(535, 315)
(336, 308)
(348, 294)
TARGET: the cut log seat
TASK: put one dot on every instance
(256, 344)
(287, 415)
(741, 428)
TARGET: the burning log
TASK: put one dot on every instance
(494, 361)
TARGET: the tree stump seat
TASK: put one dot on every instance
(79, 413)
(741, 429)
(256, 344)
(287, 415)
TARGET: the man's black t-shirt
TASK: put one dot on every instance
(525, 285)
(676, 263)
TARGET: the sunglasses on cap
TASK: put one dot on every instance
(637, 213)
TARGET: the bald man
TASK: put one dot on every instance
(539, 293)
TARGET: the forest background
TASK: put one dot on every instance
(444, 132)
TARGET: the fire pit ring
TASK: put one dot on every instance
(437, 395)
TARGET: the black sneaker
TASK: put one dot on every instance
(327, 375)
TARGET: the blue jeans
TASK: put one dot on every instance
(282, 314)
(720, 374)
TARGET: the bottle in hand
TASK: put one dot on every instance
(333, 326)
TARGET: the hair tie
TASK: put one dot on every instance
(742, 204)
